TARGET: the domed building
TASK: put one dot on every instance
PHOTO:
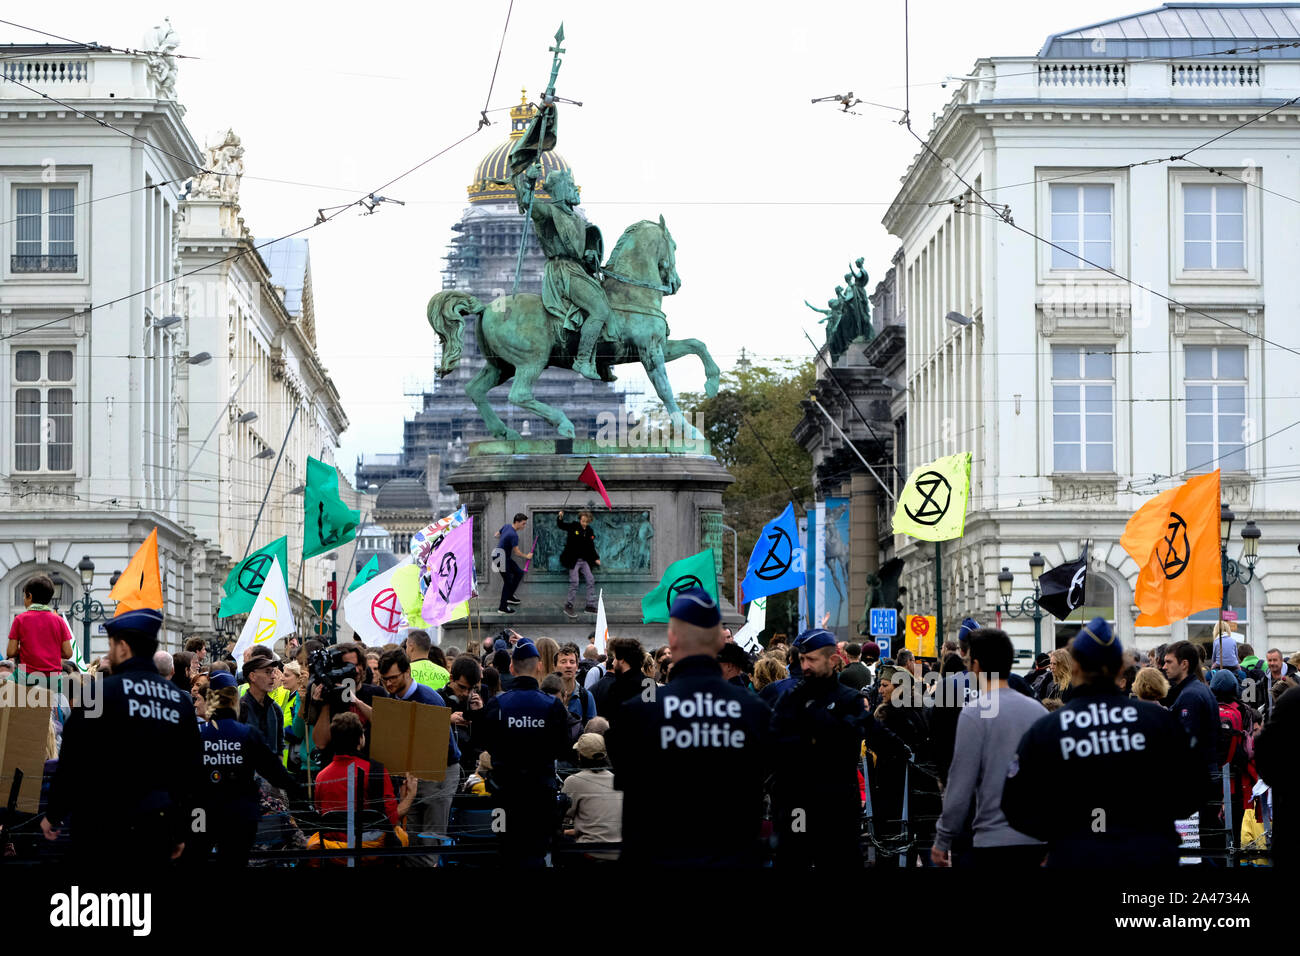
(480, 260)
(402, 507)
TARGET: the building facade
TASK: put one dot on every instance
(248, 305)
(481, 259)
(94, 363)
(1097, 298)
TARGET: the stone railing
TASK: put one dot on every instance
(85, 75)
(1141, 82)
(46, 72)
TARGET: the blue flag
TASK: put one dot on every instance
(777, 563)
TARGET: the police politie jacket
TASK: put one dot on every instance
(233, 753)
(697, 735)
(137, 757)
(525, 731)
(579, 544)
(1102, 780)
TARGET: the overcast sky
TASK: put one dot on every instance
(698, 111)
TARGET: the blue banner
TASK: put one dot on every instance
(777, 563)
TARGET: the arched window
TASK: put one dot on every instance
(64, 591)
(1098, 601)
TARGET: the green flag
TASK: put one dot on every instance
(244, 582)
(327, 521)
(697, 571)
(932, 506)
(366, 573)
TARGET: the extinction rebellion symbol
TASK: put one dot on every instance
(936, 495)
(1074, 596)
(684, 583)
(1173, 561)
(447, 571)
(253, 574)
(773, 564)
(385, 611)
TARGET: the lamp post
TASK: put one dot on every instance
(1029, 606)
(1236, 572)
(87, 610)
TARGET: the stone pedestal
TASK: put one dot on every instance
(667, 504)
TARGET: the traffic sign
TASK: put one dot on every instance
(884, 643)
(921, 635)
(884, 622)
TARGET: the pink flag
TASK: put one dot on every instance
(592, 480)
(451, 574)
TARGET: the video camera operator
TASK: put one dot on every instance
(338, 683)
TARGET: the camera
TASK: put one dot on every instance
(328, 669)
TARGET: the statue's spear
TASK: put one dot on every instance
(547, 99)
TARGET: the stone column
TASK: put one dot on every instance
(863, 547)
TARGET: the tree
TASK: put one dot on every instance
(749, 424)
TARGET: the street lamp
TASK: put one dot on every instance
(1236, 572)
(87, 609)
(1029, 606)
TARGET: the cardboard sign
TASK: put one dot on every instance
(407, 737)
(24, 730)
(922, 635)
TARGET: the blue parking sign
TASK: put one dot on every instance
(884, 622)
(884, 643)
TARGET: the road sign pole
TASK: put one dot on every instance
(334, 609)
(938, 598)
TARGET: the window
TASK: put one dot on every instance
(1214, 226)
(1200, 626)
(1098, 601)
(1083, 419)
(1081, 226)
(44, 229)
(1216, 407)
(42, 410)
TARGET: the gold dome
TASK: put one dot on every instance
(492, 178)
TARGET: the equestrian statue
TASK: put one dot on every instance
(589, 316)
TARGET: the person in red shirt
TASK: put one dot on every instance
(39, 637)
(347, 736)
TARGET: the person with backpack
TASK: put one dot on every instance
(1236, 748)
(577, 698)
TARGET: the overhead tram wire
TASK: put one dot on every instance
(91, 46)
(483, 120)
(794, 498)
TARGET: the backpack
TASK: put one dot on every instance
(1232, 743)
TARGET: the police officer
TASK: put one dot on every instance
(1103, 779)
(525, 732)
(233, 752)
(130, 758)
(691, 756)
(818, 726)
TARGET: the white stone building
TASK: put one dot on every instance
(110, 427)
(248, 304)
(1079, 393)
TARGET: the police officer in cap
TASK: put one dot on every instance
(1103, 779)
(130, 757)
(698, 734)
(233, 753)
(525, 732)
(819, 725)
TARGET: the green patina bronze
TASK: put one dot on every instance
(623, 538)
(589, 317)
(848, 315)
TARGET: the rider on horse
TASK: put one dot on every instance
(571, 286)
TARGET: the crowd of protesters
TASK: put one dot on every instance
(817, 752)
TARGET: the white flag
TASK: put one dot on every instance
(375, 611)
(602, 625)
(747, 636)
(271, 617)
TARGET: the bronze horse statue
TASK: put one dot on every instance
(519, 337)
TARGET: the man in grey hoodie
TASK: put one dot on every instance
(988, 732)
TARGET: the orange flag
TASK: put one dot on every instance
(1174, 538)
(140, 584)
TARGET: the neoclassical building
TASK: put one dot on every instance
(1081, 394)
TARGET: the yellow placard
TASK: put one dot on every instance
(921, 635)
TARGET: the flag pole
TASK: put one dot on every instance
(248, 547)
(938, 598)
(356, 542)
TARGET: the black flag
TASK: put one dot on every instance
(1062, 587)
